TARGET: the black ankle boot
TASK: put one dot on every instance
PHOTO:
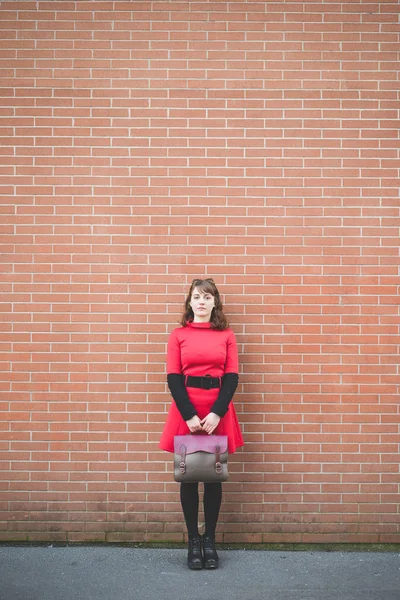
(195, 557)
(210, 553)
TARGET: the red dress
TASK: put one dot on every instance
(199, 350)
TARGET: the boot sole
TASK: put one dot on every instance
(195, 567)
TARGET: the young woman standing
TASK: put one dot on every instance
(202, 375)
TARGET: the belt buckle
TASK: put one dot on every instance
(207, 378)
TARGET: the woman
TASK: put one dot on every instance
(202, 368)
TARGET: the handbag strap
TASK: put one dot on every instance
(218, 464)
(182, 464)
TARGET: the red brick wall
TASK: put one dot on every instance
(143, 144)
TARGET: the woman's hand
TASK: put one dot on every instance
(210, 422)
(194, 424)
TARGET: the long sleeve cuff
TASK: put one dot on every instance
(179, 393)
(229, 384)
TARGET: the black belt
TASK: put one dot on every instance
(206, 382)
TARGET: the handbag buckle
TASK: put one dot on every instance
(218, 468)
(182, 467)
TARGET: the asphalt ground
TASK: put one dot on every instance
(131, 573)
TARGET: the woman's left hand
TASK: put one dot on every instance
(210, 422)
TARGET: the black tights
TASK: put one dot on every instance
(190, 504)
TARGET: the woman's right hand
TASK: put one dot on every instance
(194, 424)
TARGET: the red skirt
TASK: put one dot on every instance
(202, 401)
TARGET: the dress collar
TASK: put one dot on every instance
(205, 325)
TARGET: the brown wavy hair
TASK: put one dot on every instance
(207, 286)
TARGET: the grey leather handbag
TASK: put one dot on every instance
(201, 458)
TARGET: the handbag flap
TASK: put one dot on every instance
(196, 443)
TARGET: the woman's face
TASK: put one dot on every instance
(202, 305)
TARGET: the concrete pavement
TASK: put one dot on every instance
(126, 573)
